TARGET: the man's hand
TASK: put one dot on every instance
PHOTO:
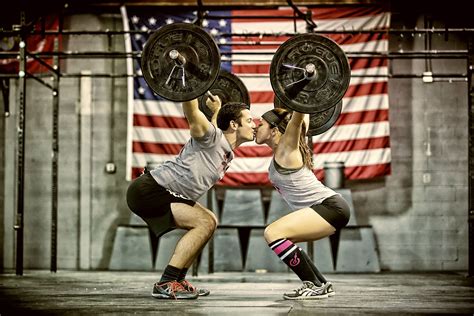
(214, 106)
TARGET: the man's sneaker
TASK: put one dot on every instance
(191, 288)
(329, 289)
(308, 291)
(172, 290)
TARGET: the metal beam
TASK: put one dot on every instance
(19, 222)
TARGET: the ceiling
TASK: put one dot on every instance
(33, 9)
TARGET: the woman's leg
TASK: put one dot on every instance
(301, 225)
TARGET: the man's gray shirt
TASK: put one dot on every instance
(199, 165)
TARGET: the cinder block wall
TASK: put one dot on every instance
(419, 213)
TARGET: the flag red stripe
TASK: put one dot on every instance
(351, 145)
(156, 148)
(362, 117)
(249, 178)
(353, 91)
(265, 151)
(367, 89)
(361, 172)
(341, 12)
(364, 63)
(161, 121)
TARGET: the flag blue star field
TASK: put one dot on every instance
(360, 137)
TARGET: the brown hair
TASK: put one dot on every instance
(231, 111)
(279, 118)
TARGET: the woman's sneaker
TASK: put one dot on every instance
(189, 287)
(308, 291)
(172, 290)
(329, 289)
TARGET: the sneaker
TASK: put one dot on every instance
(172, 290)
(329, 289)
(308, 291)
(191, 288)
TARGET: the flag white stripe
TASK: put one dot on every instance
(353, 131)
(355, 158)
(158, 108)
(365, 103)
(263, 84)
(336, 133)
(249, 57)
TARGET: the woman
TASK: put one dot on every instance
(318, 211)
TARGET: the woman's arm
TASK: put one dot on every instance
(288, 154)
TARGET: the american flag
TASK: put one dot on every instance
(359, 138)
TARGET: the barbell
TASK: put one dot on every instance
(309, 73)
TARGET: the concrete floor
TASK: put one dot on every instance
(244, 294)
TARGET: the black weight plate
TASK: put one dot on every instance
(229, 88)
(319, 122)
(321, 91)
(202, 61)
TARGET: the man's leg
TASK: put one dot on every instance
(200, 224)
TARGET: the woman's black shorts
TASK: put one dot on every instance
(334, 210)
(152, 202)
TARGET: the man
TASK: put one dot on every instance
(166, 196)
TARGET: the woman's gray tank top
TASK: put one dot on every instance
(298, 187)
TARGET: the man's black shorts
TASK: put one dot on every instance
(152, 202)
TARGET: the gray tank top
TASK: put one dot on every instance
(198, 166)
(298, 187)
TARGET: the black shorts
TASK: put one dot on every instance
(334, 210)
(152, 202)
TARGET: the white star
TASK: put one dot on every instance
(169, 21)
(187, 21)
(139, 72)
(222, 23)
(141, 90)
(205, 23)
(135, 19)
(152, 21)
(137, 36)
(214, 32)
(144, 28)
(222, 40)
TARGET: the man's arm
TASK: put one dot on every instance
(198, 123)
(214, 106)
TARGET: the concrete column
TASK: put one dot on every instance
(85, 168)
